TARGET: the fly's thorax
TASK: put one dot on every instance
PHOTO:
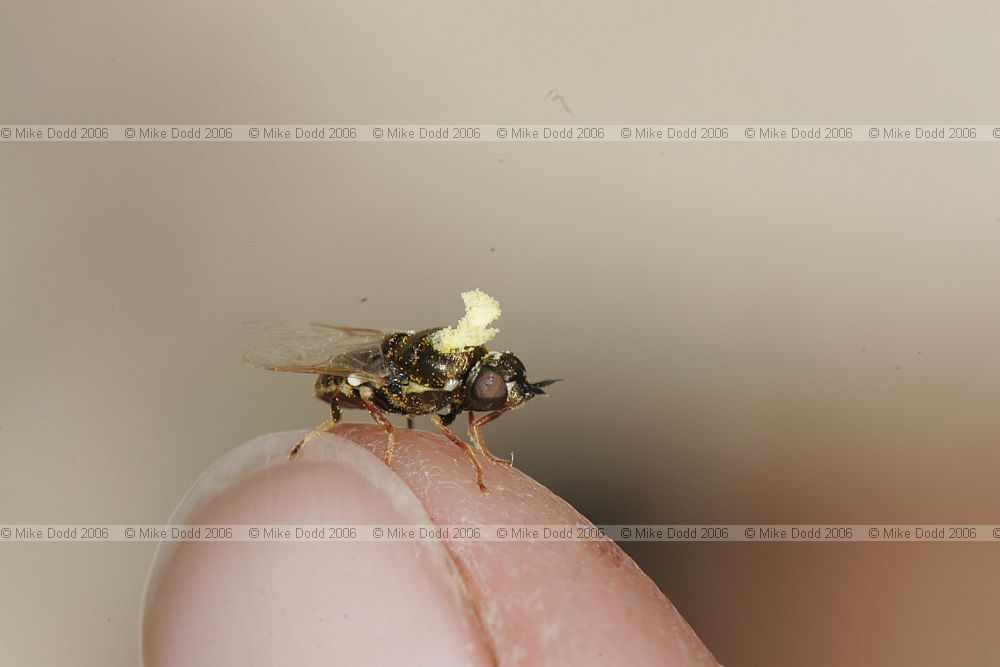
(420, 367)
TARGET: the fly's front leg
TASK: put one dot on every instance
(442, 423)
(366, 394)
(325, 427)
(476, 434)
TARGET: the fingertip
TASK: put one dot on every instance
(459, 601)
(286, 602)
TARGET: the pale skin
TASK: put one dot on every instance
(437, 602)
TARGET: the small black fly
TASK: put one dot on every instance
(441, 372)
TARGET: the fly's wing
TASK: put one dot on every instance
(318, 348)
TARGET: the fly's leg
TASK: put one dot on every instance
(366, 394)
(439, 421)
(476, 434)
(409, 421)
(325, 427)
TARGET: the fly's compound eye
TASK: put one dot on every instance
(490, 390)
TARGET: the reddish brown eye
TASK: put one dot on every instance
(490, 387)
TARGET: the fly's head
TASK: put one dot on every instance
(498, 382)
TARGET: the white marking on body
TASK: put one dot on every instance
(417, 388)
(354, 380)
(451, 385)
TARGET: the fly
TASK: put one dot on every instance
(441, 372)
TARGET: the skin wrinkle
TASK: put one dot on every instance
(418, 466)
(467, 588)
(429, 472)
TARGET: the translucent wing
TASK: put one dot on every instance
(318, 348)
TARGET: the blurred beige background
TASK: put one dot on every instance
(748, 332)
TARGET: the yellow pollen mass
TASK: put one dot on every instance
(481, 310)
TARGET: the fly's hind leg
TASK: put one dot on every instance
(366, 393)
(476, 434)
(325, 427)
(442, 423)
